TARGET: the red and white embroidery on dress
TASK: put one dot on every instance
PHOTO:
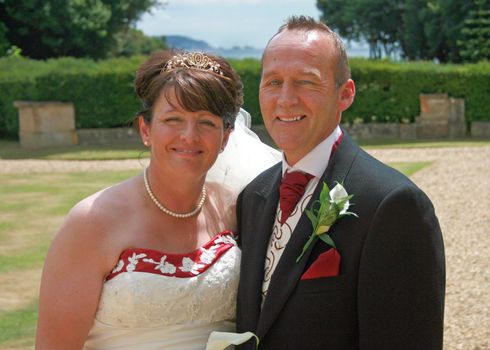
(174, 265)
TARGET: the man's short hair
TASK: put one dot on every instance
(307, 24)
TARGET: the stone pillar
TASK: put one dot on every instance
(457, 123)
(46, 124)
(433, 121)
(440, 117)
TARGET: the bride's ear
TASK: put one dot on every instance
(144, 130)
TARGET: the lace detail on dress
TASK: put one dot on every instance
(178, 265)
(144, 289)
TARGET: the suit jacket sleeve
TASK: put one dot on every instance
(402, 275)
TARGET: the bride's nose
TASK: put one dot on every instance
(190, 132)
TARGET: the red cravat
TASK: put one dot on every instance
(291, 190)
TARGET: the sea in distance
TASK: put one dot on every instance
(186, 43)
(251, 52)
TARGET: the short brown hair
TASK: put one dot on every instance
(196, 89)
(307, 24)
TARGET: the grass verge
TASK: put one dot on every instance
(409, 168)
(32, 208)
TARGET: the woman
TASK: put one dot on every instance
(151, 263)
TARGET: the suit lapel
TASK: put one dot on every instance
(264, 207)
(288, 271)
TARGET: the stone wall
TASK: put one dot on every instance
(43, 124)
(480, 130)
(108, 136)
(370, 131)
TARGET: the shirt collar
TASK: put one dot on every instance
(316, 161)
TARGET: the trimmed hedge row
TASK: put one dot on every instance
(389, 92)
(103, 95)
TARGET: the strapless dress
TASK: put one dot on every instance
(155, 300)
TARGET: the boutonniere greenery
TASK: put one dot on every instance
(324, 212)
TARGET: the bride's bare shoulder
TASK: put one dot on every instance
(99, 214)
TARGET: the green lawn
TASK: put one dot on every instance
(31, 209)
(32, 206)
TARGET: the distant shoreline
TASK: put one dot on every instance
(186, 43)
(240, 53)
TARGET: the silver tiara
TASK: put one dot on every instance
(196, 60)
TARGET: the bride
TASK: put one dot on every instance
(152, 262)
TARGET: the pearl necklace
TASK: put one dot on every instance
(168, 211)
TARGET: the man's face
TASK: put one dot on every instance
(299, 101)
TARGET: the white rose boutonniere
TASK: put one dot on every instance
(323, 213)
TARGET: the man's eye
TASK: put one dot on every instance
(172, 120)
(274, 83)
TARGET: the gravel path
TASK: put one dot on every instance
(458, 183)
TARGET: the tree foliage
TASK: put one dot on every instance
(79, 28)
(4, 43)
(445, 30)
(475, 35)
(132, 42)
(375, 21)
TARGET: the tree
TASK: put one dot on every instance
(420, 29)
(375, 21)
(443, 23)
(79, 28)
(4, 43)
(475, 35)
(413, 40)
(132, 42)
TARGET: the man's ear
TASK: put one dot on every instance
(144, 130)
(346, 95)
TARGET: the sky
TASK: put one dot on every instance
(225, 23)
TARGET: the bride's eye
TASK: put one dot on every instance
(207, 123)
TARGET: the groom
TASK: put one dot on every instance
(382, 287)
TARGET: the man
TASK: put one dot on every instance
(383, 285)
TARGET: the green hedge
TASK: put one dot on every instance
(389, 92)
(103, 95)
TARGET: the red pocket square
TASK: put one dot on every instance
(326, 265)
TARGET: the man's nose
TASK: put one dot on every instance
(287, 96)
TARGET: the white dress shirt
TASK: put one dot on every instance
(314, 163)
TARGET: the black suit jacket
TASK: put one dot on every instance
(390, 290)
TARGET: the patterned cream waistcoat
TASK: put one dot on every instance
(281, 234)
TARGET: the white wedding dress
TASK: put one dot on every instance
(153, 300)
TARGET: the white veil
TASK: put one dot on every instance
(244, 157)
